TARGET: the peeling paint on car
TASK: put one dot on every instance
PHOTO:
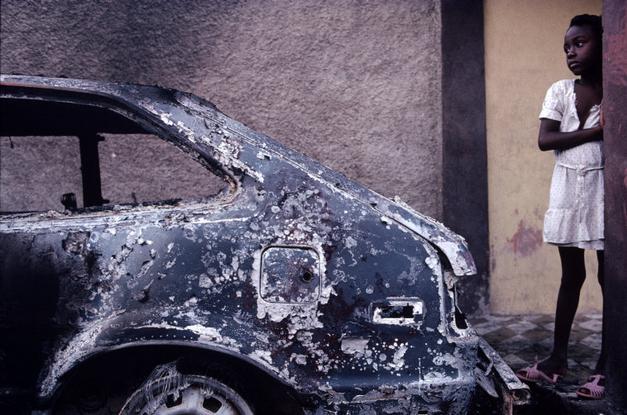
(334, 290)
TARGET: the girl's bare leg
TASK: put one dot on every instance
(573, 276)
(600, 367)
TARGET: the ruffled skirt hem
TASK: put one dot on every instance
(596, 245)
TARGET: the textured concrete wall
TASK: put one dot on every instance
(354, 84)
(524, 56)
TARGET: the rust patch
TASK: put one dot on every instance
(526, 239)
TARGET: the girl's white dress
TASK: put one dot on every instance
(575, 214)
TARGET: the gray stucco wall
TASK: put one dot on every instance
(354, 84)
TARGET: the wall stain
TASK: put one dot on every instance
(526, 240)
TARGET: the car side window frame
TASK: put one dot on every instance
(145, 120)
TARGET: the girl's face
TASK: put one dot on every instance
(583, 50)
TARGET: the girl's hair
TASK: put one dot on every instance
(592, 21)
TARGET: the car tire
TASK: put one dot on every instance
(185, 394)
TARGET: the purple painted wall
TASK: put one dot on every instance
(615, 137)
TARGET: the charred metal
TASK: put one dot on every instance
(340, 297)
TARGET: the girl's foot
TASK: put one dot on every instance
(552, 365)
(594, 388)
(548, 370)
(533, 374)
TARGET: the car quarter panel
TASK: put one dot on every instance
(289, 272)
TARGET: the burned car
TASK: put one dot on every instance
(292, 290)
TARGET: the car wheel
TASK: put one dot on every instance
(185, 395)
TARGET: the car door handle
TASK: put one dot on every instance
(401, 311)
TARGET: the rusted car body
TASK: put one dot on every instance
(296, 290)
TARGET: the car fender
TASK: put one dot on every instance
(104, 337)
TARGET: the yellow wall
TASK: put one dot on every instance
(523, 56)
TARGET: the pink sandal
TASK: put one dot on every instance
(533, 374)
(592, 389)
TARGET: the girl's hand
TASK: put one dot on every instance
(602, 118)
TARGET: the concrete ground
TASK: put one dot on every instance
(523, 339)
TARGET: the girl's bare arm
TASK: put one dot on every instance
(550, 137)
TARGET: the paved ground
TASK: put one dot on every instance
(521, 340)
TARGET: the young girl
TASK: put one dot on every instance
(571, 125)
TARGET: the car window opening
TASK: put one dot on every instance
(73, 158)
